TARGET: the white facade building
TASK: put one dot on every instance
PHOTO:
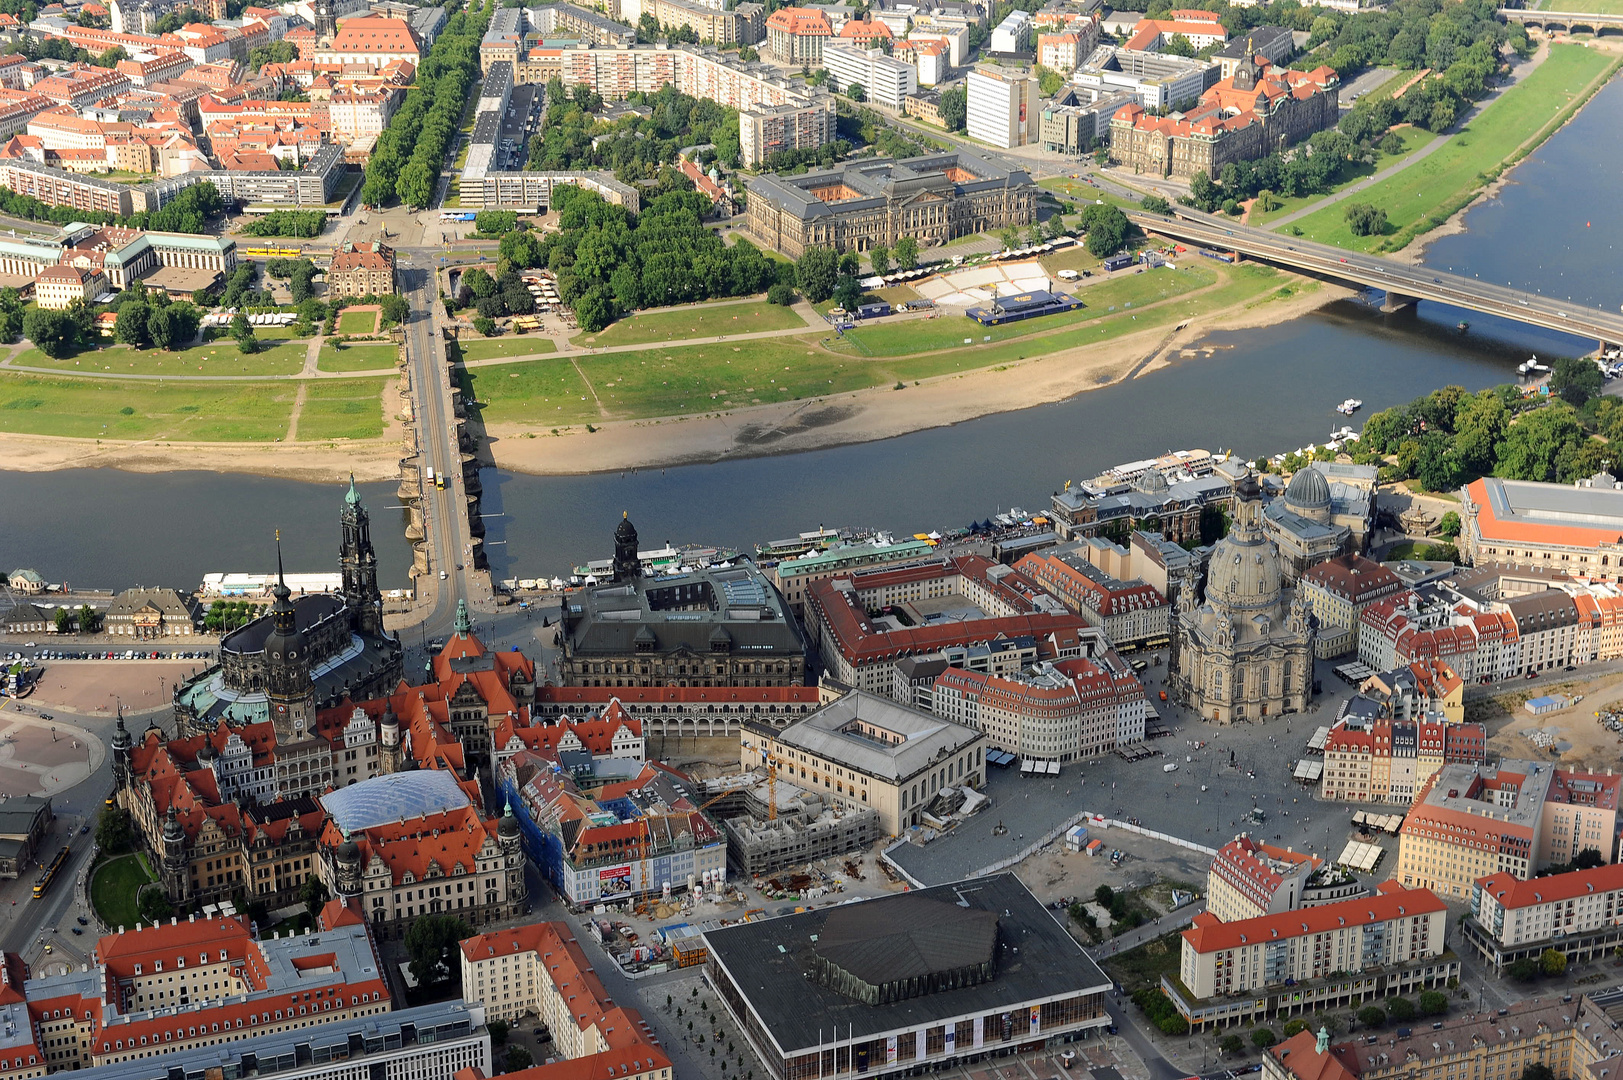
(886, 81)
(1002, 106)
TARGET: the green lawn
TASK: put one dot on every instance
(358, 322)
(342, 409)
(1424, 195)
(544, 392)
(1085, 192)
(185, 412)
(357, 358)
(221, 357)
(1414, 139)
(113, 889)
(702, 321)
(710, 378)
(507, 345)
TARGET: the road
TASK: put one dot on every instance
(1395, 278)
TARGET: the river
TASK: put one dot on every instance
(1259, 392)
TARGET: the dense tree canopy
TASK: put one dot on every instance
(635, 146)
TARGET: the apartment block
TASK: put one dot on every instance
(1002, 106)
(769, 129)
(1579, 914)
(1248, 879)
(1130, 613)
(1060, 711)
(885, 81)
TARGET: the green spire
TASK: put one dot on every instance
(463, 625)
(352, 497)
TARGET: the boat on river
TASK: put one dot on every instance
(666, 560)
(1350, 406)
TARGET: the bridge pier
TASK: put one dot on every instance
(1396, 302)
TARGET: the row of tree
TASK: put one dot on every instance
(407, 158)
(302, 223)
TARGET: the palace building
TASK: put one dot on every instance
(874, 203)
(721, 626)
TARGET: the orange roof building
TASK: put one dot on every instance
(371, 39)
(796, 35)
(1248, 879)
(1254, 112)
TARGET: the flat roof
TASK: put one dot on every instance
(831, 733)
(1036, 960)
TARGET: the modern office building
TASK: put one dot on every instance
(1002, 105)
(885, 81)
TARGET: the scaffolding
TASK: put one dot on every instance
(805, 829)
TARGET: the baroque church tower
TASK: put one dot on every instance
(359, 564)
(288, 685)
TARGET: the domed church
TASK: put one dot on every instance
(1243, 650)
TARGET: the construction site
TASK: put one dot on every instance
(771, 824)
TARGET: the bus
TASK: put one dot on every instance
(49, 873)
(454, 215)
(271, 253)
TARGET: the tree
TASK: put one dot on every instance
(847, 293)
(855, 92)
(906, 253)
(1366, 220)
(1400, 1009)
(518, 1057)
(113, 832)
(54, 332)
(299, 282)
(395, 307)
(955, 107)
(1372, 1016)
(1537, 1071)
(479, 283)
(817, 273)
(1178, 45)
(130, 328)
(1531, 445)
(1576, 380)
(879, 258)
(1295, 1027)
(89, 619)
(1262, 1038)
(1433, 1002)
(154, 905)
(498, 1031)
(64, 620)
(432, 943)
(596, 309)
(1229, 1045)
(748, 54)
(850, 265)
(1107, 228)
(173, 327)
(244, 333)
(1104, 896)
(1523, 970)
(487, 327)
(1448, 525)
(415, 187)
(313, 894)
(1154, 204)
(1588, 859)
(1552, 962)
(780, 294)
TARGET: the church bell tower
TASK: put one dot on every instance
(627, 567)
(326, 21)
(289, 688)
(359, 564)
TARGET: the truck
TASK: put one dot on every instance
(873, 311)
(429, 473)
(1171, 766)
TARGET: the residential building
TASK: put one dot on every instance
(714, 627)
(796, 35)
(925, 105)
(1245, 650)
(1064, 50)
(1002, 105)
(541, 970)
(57, 287)
(955, 35)
(1258, 110)
(863, 750)
(1013, 34)
(769, 129)
(1426, 688)
(533, 190)
(1339, 590)
(1249, 879)
(365, 269)
(1200, 28)
(1131, 613)
(961, 1003)
(1311, 959)
(585, 24)
(877, 201)
(1391, 759)
(1574, 528)
(885, 81)
(1470, 822)
(1060, 711)
(640, 831)
(1578, 914)
(928, 55)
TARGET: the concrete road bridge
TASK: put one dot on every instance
(1403, 283)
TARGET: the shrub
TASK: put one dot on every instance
(1295, 1027)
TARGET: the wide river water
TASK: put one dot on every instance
(1260, 392)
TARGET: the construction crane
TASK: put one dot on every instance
(771, 788)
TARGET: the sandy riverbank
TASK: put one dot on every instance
(878, 413)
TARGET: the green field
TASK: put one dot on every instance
(1424, 195)
(710, 378)
(543, 392)
(358, 322)
(1414, 140)
(702, 321)
(511, 345)
(114, 888)
(220, 357)
(342, 409)
(357, 358)
(185, 412)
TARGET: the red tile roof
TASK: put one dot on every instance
(801, 22)
(1392, 901)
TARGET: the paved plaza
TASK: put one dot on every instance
(1241, 767)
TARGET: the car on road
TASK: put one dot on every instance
(83, 829)
(47, 946)
(46, 716)
(76, 931)
(83, 921)
(443, 575)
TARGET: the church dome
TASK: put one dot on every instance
(625, 532)
(349, 853)
(508, 826)
(1152, 483)
(1243, 575)
(1308, 490)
